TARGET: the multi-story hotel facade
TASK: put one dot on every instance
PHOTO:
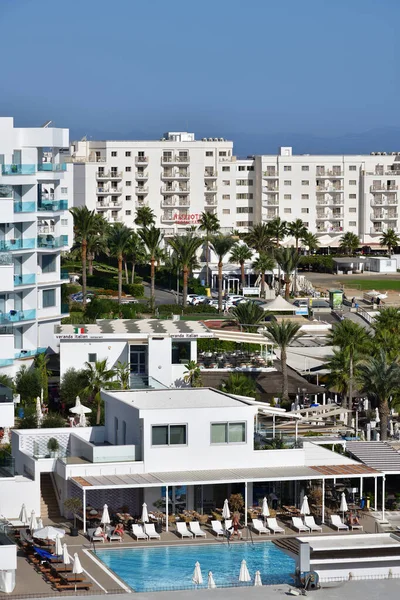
(35, 191)
(179, 177)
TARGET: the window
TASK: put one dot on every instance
(244, 182)
(287, 182)
(226, 211)
(287, 196)
(128, 212)
(241, 168)
(244, 196)
(226, 182)
(226, 168)
(113, 154)
(128, 169)
(244, 209)
(306, 223)
(209, 153)
(128, 182)
(287, 168)
(244, 223)
(305, 211)
(352, 168)
(353, 182)
(127, 154)
(287, 211)
(250, 168)
(305, 197)
(64, 222)
(169, 435)
(49, 263)
(352, 223)
(305, 182)
(140, 198)
(222, 153)
(128, 198)
(49, 298)
(352, 196)
(226, 197)
(228, 433)
(180, 352)
(352, 210)
(92, 357)
(64, 190)
(305, 168)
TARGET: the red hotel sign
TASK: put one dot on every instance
(187, 218)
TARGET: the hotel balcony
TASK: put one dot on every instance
(380, 228)
(115, 175)
(16, 316)
(50, 242)
(270, 189)
(324, 201)
(211, 201)
(330, 229)
(52, 206)
(210, 174)
(141, 176)
(28, 279)
(167, 217)
(330, 173)
(116, 219)
(384, 201)
(270, 216)
(183, 174)
(211, 189)
(383, 187)
(175, 159)
(270, 202)
(102, 175)
(184, 202)
(140, 203)
(144, 190)
(107, 191)
(169, 201)
(273, 174)
(141, 160)
(52, 167)
(174, 189)
(17, 244)
(331, 189)
(383, 216)
(115, 205)
(45, 228)
(15, 169)
(381, 172)
(24, 207)
(102, 205)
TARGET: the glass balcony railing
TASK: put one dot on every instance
(28, 279)
(17, 244)
(49, 241)
(64, 275)
(29, 353)
(24, 207)
(17, 316)
(52, 205)
(6, 362)
(18, 169)
(53, 167)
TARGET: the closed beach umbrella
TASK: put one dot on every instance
(257, 579)
(40, 523)
(145, 514)
(78, 409)
(76, 567)
(6, 436)
(244, 574)
(33, 521)
(65, 555)
(265, 509)
(343, 504)
(305, 509)
(58, 548)
(23, 517)
(49, 533)
(197, 577)
(39, 413)
(226, 513)
(211, 583)
(105, 517)
(391, 428)
(82, 420)
(377, 417)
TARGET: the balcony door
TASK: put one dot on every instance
(138, 359)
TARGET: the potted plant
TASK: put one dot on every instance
(53, 446)
(73, 505)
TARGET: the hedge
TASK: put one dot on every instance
(321, 264)
(133, 289)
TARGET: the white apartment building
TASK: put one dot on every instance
(35, 191)
(179, 178)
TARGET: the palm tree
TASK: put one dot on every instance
(259, 238)
(96, 242)
(380, 379)
(278, 230)
(282, 335)
(262, 264)
(387, 319)
(123, 374)
(349, 242)
(339, 370)
(298, 230)
(135, 253)
(41, 362)
(221, 245)
(352, 338)
(145, 216)
(152, 238)
(98, 378)
(390, 239)
(248, 313)
(310, 240)
(185, 248)
(288, 260)
(118, 242)
(239, 384)
(84, 225)
(192, 374)
(239, 254)
(209, 223)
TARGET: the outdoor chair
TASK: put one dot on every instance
(259, 528)
(273, 525)
(94, 538)
(195, 528)
(337, 522)
(150, 531)
(299, 525)
(228, 524)
(310, 522)
(113, 537)
(217, 528)
(182, 529)
(138, 533)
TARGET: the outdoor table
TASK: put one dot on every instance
(61, 568)
(71, 577)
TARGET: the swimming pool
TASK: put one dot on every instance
(171, 568)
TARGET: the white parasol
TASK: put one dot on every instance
(65, 555)
(226, 513)
(33, 522)
(257, 579)
(197, 577)
(145, 514)
(211, 583)
(105, 517)
(82, 420)
(58, 547)
(377, 418)
(49, 533)
(244, 574)
(305, 509)
(6, 436)
(76, 567)
(40, 523)
(23, 517)
(391, 428)
(78, 409)
(343, 504)
(265, 509)
(39, 413)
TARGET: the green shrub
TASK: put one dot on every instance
(138, 279)
(319, 263)
(53, 420)
(195, 287)
(102, 281)
(134, 289)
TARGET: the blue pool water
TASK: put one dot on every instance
(169, 568)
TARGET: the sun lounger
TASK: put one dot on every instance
(228, 524)
(259, 528)
(72, 585)
(138, 533)
(310, 522)
(151, 532)
(45, 555)
(95, 538)
(114, 537)
(337, 522)
(357, 526)
(217, 528)
(273, 525)
(299, 525)
(182, 529)
(195, 528)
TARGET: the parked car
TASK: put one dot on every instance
(79, 297)
(192, 298)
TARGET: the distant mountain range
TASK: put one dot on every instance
(385, 139)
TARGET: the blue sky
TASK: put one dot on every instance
(326, 67)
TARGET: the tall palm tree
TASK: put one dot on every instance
(41, 362)
(98, 377)
(349, 242)
(145, 216)
(135, 253)
(185, 248)
(152, 238)
(282, 335)
(239, 254)
(288, 260)
(96, 241)
(262, 264)
(84, 225)
(278, 230)
(390, 239)
(118, 243)
(240, 384)
(386, 326)
(352, 338)
(259, 237)
(380, 380)
(298, 230)
(221, 245)
(209, 223)
(248, 313)
(339, 369)
(310, 240)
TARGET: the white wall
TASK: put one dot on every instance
(6, 414)
(74, 353)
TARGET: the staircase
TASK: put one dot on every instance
(290, 545)
(48, 501)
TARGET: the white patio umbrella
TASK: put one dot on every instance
(76, 566)
(65, 555)
(377, 418)
(49, 533)
(257, 579)
(391, 428)
(145, 514)
(265, 510)
(305, 509)
(33, 521)
(343, 504)
(226, 513)
(82, 420)
(197, 577)
(40, 523)
(39, 413)
(244, 574)
(6, 436)
(23, 517)
(78, 409)
(211, 583)
(58, 550)
(105, 517)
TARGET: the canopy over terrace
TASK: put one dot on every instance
(221, 476)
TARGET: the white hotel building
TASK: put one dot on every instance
(35, 192)
(180, 177)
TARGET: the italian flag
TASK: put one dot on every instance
(79, 330)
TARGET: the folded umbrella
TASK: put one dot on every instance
(58, 547)
(244, 574)
(257, 579)
(145, 514)
(197, 577)
(105, 517)
(23, 517)
(211, 583)
(226, 513)
(305, 509)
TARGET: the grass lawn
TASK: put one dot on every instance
(372, 284)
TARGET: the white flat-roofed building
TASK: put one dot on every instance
(36, 189)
